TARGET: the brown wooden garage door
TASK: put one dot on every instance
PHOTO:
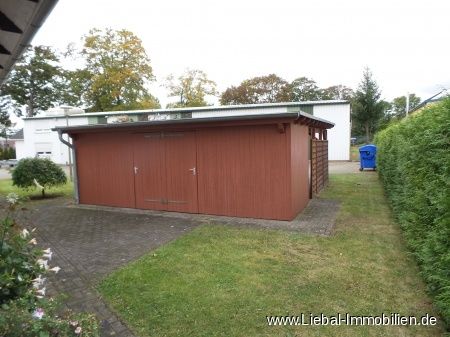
(165, 171)
(105, 168)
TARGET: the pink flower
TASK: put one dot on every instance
(38, 313)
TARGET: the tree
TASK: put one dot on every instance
(35, 80)
(190, 88)
(337, 92)
(263, 89)
(399, 104)
(367, 107)
(38, 172)
(116, 73)
(305, 89)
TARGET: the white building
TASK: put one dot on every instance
(39, 139)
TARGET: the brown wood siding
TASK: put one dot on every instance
(319, 165)
(299, 167)
(181, 171)
(105, 169)
(242, 171)
(150, 178)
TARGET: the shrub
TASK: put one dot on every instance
(24, 309)
(414, 165)
(38, 172)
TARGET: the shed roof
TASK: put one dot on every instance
(17, 136)
(300, 117)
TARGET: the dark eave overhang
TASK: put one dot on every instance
(19, 22)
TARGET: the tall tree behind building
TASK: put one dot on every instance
(262, 89)
(116, 73)
(35, 81)
(399, 104)
(367, 107)
(191, 89)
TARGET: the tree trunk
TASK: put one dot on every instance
(367, 132)
(43, 193)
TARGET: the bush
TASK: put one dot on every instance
(414, 165)
(31, 172)
(24, 309)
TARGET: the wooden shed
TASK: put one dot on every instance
(258, 166)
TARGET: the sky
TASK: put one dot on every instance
(404, 43)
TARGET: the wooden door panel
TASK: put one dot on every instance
(105, 168)
(181, 171)
(149, 165)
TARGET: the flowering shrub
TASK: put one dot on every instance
(24, 309)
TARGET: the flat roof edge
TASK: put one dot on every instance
(290, 115)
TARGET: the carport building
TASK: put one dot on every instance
(258, 166)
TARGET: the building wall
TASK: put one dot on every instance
(243, 171)
(339, 135)
(239, 112)
(40, 140)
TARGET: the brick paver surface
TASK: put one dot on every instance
(90, 242)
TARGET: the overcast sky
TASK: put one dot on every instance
(405, 43)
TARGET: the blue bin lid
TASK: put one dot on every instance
(369, 147)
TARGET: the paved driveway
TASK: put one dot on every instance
(89, 244)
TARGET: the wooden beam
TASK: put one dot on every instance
(7, 25)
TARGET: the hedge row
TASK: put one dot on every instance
(414, 163)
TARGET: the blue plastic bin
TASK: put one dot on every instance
(367, 157)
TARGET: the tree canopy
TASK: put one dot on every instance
(36, 80)
(117, 70)
(367, 107)
(399, 104)
(191, 89)
(337, 92)
(263, 89)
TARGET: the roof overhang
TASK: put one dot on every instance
(296, 117)
(19, 22)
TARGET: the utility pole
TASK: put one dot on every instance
(407, 104)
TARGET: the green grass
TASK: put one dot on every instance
(223, 280)
(6, 186)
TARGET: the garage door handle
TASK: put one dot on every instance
(135, 170)
(194, 171)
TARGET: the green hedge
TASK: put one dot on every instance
(414, 163)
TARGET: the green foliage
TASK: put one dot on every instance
(274, 89)
(304, 89)
(414, 164)
(399, 104)
(44, 171)
(18, 266)
(19, 320)
(7, 153)
(263, 89)
(24, 310)
(337, 92)
(191, 89)
(35, 80)
(367, 108)
(116, 72)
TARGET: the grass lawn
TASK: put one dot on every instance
(223, 280)
(6, 186)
